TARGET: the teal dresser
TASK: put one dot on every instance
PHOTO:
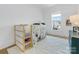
(75, 45)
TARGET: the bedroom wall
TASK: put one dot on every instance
(16, 14)
(65, 10)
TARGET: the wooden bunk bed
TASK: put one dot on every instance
(23, 36)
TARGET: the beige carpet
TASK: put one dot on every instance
(50, 45)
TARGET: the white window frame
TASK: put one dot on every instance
(56, 24)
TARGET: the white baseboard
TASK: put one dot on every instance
(58, 36)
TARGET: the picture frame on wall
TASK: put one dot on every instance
(56, 25)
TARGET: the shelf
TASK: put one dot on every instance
(22, 35)
(28, 37)
(22, 25)
(27, 43)
(20, 43)
(19, 30)
(19, 36)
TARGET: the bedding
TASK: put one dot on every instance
(38, 32)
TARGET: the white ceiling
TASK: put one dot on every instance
(45, 5)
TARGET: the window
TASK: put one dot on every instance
(56, 21)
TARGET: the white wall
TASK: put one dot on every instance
(65, 10)
(16, 14)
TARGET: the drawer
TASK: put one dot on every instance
(21, 34)
(20, 40)
(19, 27)
(22, 47)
